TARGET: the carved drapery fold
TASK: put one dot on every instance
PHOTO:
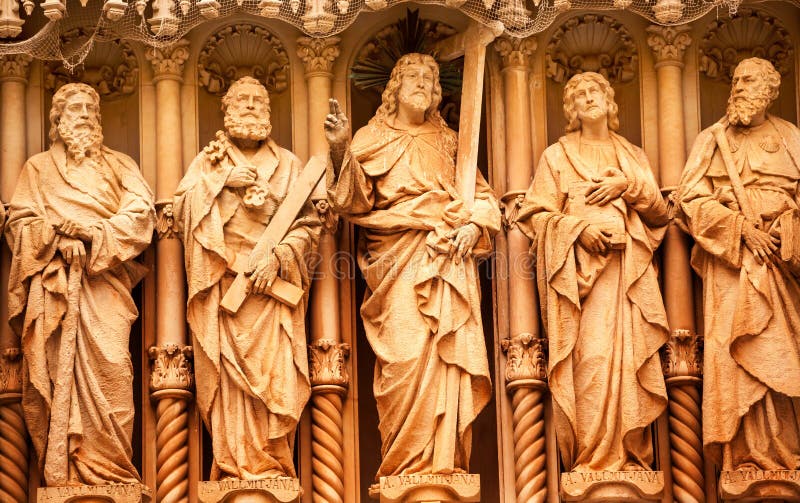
(526, 376)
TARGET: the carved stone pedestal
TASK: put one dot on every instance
(276, 490)
(760, 485)
(595, 487)
(116, 493)
(434, 488)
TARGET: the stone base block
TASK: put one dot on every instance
(760, 485)
(114, 493)
(275, 490)
(596, 487)
(431, 488)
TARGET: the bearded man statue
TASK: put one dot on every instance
(418, 251)
(80, 214)
(251, 366)
(739, 199)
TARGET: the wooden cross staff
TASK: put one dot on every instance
(472, 45)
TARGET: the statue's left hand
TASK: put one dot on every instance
(464, 239)
(606, 189)
(264, 274)
(75, 230)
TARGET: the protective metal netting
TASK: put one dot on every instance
(161, 22)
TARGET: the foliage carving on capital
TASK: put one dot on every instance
(241, 50)
(751, 33)
(10, 371)
(682, 355)
(526, 358)
(515, 51)
(111, 67)
(15, 66)
(171, 368)
(168, 61)
(669, 43)
(328, 363)
(591, 43)
(166, 228)
(318, 54)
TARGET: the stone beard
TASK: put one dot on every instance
(248, 126)
(742, 108)
(83, 137)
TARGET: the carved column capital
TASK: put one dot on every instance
(328, 369)
(510, 204)
(318, 54)
(168, 62)
(516, 52)
(330, 220)
(669, 43)
(10, 375)
(682, 356)
(15, 67)
(165, 220)
(171, 374)
(526, 363)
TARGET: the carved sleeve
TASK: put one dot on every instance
(351, 192)
(643, 194)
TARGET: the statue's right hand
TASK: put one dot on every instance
(594, 239)
(241, 176)
(337, 127)
(72, 249)
(763, 245)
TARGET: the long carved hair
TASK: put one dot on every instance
(571, 113)
(60, 101)
(389, 97)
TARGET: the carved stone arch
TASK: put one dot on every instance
(751, 33)
(592, 43)
(110, 67)
(240, 49)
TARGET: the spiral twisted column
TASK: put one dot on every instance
(14, 70)
(682, 360)
(329, 382)
(13, 437)
(171, 383)
(526, 381)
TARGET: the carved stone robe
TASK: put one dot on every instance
(251, 368)
(421, 310)
(603, 314)
(751, 377)
(59, 311)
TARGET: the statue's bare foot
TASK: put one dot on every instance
(748, 467)
(632, 466)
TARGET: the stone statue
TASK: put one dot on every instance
(80, 214)
(595, 215)
(251, 366)
(739, 198)
(421, 310)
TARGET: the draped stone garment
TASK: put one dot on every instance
(751, 378)
(421, 310)
(92, 445)
(603, 314)
(251, 368)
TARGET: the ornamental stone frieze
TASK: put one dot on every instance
(239, 50)
(318, 54)
(591, 43)
(15, 67)
(669, 43)
(516, 52)
(751, 33)
(171, 369)
(328, 363)
(167, 62)
(111, 67)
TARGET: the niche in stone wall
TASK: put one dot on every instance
(236, 51)
(112, 69)
(593, 43)
(727, 41)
